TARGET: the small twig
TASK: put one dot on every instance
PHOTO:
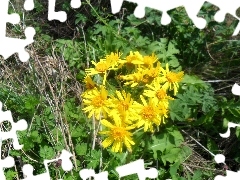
(29, 157)
(100, 163)
(94, 131)
(195, 166)
(199, 144)
(209, 53)
(85, 45)
(188, 168)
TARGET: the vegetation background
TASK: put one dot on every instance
(46, 90)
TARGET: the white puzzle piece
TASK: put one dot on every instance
(192, 8)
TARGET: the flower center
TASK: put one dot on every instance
(123, 106)
(161, 94)
(148, 112)
(97, 101)
(101, 67)
(118, 133)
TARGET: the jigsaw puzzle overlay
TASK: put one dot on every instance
(66, 163)
(230, 175)
(9, 46)
(192, 8)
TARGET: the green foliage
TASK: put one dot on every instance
(195, 98)
(201, 54)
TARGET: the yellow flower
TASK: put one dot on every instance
(124, 105)
(118, 135)
(158, 93)
(89, 83)
(151, 73)
(133, 79)
(150, 114)
(133, 58)
(113, 59)
(148, 61)
(163, 112)
(103, 66)
(171, 79)
(96, 102)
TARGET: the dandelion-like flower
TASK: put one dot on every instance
(133, 79)
(158, 93)
(148, 61)
(104, 65)
(150, 114)
(133, 58)
(118, 135)
(171, 79)
(151, 73)
(96, 102)
(113, 59)
(124, 106)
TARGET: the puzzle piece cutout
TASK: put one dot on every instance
(8, 162)
(66, 166)
(12, 134)
(137, 167)
(192, 8)
(60, 15)
(230, 175)
(87, 173)
(9, 46)
(220, 158)
(19, 126)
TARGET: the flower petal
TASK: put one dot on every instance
(106, 123)
(107, 142)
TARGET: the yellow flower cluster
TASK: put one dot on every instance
(122, 112)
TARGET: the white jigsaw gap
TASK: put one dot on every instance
(192, 9)
(60, 15)
(220, 158)
(8, 162)
(66, 166)
(9, 46)
(29, 5)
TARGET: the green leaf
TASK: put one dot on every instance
(94, 159)
(197, 175)
(238, 132)
(174, 169)
(178, 138)
(81, 149)
(171, 156)
(11, 174)
(193, 80)
(77, 132)
(47, 152)
(36, 137)
(174, 63)
(211, 145)
(176, 154)
(172, 49)
(166, 141)
(235, 112)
